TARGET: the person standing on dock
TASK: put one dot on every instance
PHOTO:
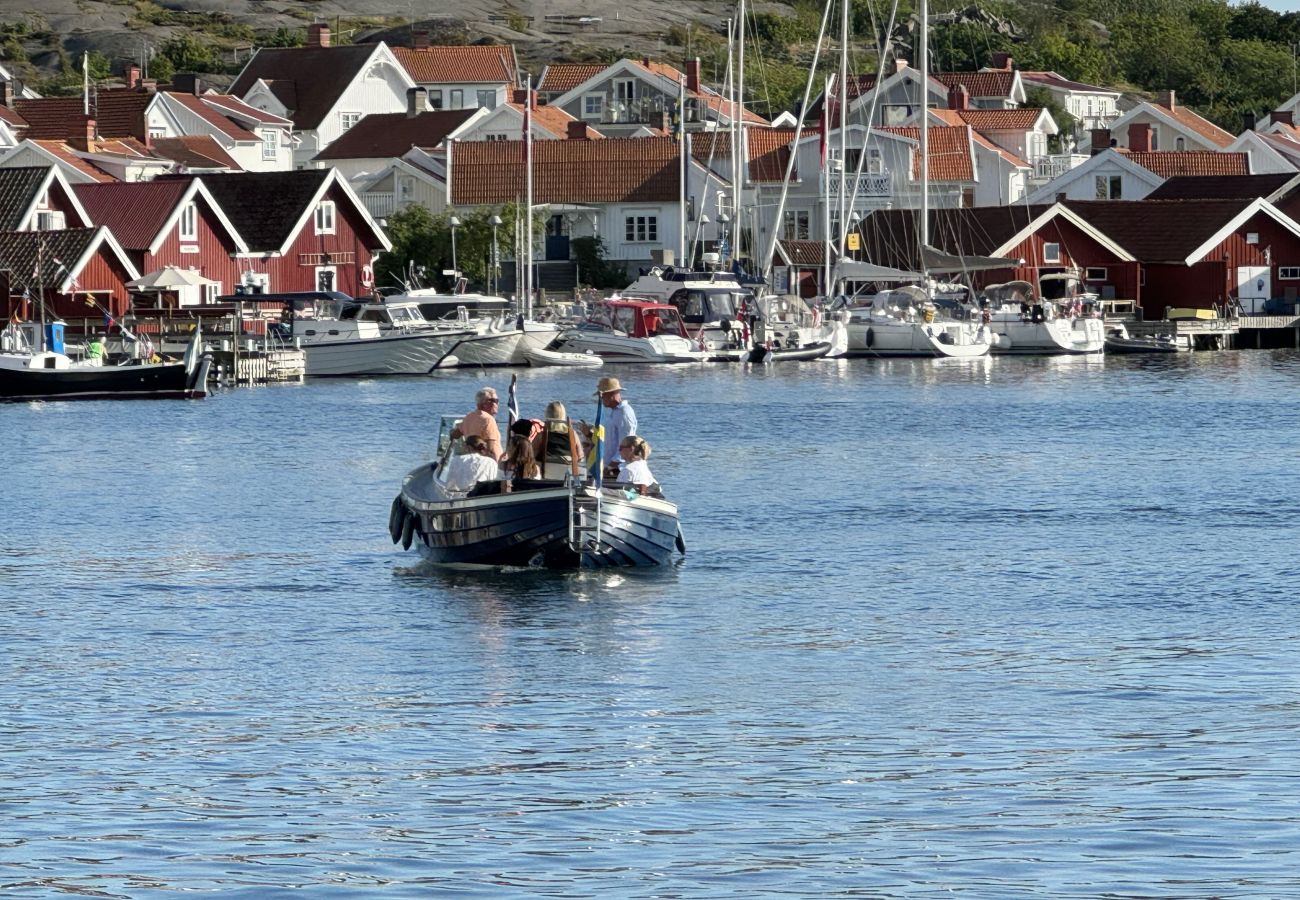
(482, 422)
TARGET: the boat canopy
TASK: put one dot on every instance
(708, 305)
(1010, 292)
(637, 319)
(937, 260)
(852, 270)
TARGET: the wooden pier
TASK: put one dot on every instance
(1193, 334)
(1269, 333)
(260, 366)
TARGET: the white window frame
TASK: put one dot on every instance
(641, 227)
(593, 106)
(456, 100)
(325, 217)
(334, 277)
(349, 119)
(188, 228)
(1094, 273)
(625, 89)
(270, 145)
(1288, 273)
(1052, 253)
(486, 99)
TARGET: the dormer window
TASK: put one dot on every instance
(325, 217)
(189, 224)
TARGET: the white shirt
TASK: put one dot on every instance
(636, 472)
(468, 469)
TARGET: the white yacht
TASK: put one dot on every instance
(502, 336)
(619, 330)
(1031, 324)
(905, 322)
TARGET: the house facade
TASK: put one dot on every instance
(1169, 126)
(476, 76)
(78, 272)
(254, 140)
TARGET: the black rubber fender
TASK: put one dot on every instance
(408, 530)
(395, 516)
(870, 337)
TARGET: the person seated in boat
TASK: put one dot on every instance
(635, 471)
(96, 351)
(470, 467)
(482, 422)
(520, 463)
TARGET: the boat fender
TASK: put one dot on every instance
(408, 530)
(871, 337)
(681, 540)
(395, 516)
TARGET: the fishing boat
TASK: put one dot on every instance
(569, 523)
(1118, 340)
(621, 331)
(343, 336)
(28, 373)
(1033, 325)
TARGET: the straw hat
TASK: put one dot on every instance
(607, 385)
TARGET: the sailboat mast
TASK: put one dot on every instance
(681, 172)
(827, 287)
(528, 212)
(739, 144)
(40, 285)
(923, 227)
(841, 230)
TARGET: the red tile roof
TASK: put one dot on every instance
(11, 118)
(199, 107)
(555, 120)
(226, 104)
(560, 78)
(1023, 119)
(769, 150)
(196, 151)
(712, 99)
(805, 253)
(133, 211)
(1168, 163)
(64, 153)
(609, 171)
(117, 113)
(391, 134)
(1204, 127)
(483, 63)
(949, 149)
(979, 84)
(1051, 79)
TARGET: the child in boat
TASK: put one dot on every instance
(520, 462)
(635, 471)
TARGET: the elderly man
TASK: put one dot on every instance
(619, 419)
(482, 422)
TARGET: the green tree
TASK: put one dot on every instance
(188, 53)
(593, 268)
(422, 244)
(1045, 99)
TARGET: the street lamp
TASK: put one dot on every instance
(453, 223)
(495, 222)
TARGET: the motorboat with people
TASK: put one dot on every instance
(41, 370)
(621, 330)
(1118, 340)
(505, 337)
(906, 321)
(565, 520)
(343, 336)
(730, 322)
(1036, 325)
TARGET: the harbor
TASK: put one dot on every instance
(999, 625)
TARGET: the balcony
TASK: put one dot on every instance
(1048, 167)
(379, 203)
(874, 185)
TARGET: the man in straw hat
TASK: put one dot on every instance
(620, 420)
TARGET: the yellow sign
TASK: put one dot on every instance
(854, 240)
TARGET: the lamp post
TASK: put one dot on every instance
(495, 222)
(453, 223)
(723, 248)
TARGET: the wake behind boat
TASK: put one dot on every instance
(556, 523)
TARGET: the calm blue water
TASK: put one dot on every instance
(995, 629)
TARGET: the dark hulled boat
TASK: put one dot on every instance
(53, 376)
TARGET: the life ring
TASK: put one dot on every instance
(408, 530)
(395, 516)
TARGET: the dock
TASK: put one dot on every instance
(1194, 334)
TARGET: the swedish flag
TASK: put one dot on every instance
(596, 458)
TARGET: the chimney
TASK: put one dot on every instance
(577, 131)
(958, 97)
(1003, 62)
(187, 83)
(532, 99)
(693, 75)
(1285, 116)
(149, 85)
(1248, 122)
(899, 65)
(645, 61)
(1139, 137)
(420, 40)
(519, 95)
(318, 35)
(7, 93)
(1100, 140)
(1166, 99)
(417, 101)
(85, 140)
(133, 77)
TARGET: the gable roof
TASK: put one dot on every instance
(805, 254)
(20, 188)
(1162, 231)
(554, 119)
(953, 117)
(1226, 187)
(948, 149)
(560, 78)
(392, 134)
(769, 150)
(59, 256)
(1053, 80)
(1022, 119)
(482, 63)
(10, 117)
(307, 80)
(141, 214)
(210, 114)
(196, 151)
(666, 79)
(1168, 163)
(994, 83)
(60, 152)
(117, 113)
(1193, 122)
(612, 170)
(236, 109)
